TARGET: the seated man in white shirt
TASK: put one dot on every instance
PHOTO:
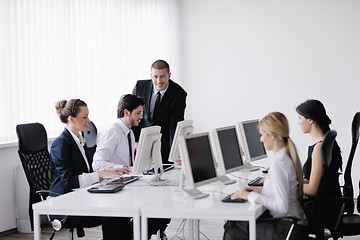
(113, 146)
(115, 150)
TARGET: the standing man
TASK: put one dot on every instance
(165, 103)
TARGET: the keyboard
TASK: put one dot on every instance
(256, 182)
(166, 167)
(228, 199)
(124, 180)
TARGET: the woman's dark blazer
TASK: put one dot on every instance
(68, 163)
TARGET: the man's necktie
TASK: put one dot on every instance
(130, 149)
(157, 105)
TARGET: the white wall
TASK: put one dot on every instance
(243, 59)
(9, 160)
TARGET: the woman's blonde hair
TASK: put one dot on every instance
(276, 124)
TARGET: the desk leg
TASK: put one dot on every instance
(144, 228)
(136, 228)
(252, 229)
(37, 228)
(194, 230)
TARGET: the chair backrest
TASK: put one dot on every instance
(35, 159)
(348, 190)
(90, 136)
(324, 211)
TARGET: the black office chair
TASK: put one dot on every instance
(35, 159)
(348, 190)
(349, 223)
(323, 212)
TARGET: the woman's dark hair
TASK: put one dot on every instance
(66, 108)
(313, 109)
(129, 102)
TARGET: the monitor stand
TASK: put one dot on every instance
(224, 179)
(156, 180)
(190, 190)
(195, 193)
(249, 167)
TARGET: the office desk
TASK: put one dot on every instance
(140, 201)
(125, 203)
(179, 205)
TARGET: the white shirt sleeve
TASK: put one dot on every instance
(275, 192)
(102, 158)
(87, 179)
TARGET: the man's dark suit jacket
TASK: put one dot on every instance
(171, 111)
(68, 163)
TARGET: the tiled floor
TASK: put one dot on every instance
(177, 229)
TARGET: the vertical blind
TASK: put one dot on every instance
(89, 49)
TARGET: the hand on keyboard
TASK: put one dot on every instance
(228, 199)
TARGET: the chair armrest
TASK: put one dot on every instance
(340, 199)
(44, 193)
(294, 220)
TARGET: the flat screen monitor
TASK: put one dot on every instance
(148, 154)
(183, 128)
(228, 152)
(253, 147)
(198, 164)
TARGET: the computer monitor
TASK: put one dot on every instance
(228, 154)
(183, 128)
(148, 154)
(198, 164)
(253, 147)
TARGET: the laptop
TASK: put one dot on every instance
(107, 188)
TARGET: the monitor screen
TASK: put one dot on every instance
(199, 167)
(201, 159)
(183, 128)
(253, 147)
(148, 149)
(229, 153)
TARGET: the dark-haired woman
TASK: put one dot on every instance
(314, 120)
(72, 168)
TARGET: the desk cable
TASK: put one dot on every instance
(180, 230)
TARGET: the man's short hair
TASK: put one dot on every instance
(129, 102)
(160, 64)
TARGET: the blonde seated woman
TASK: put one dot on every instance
(282, 189)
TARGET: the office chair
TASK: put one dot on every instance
(348, 190)
(349, 223)
(35, 159)
(323, 212)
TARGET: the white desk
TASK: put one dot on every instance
(125, 203)
(179, 205)
(138, 199)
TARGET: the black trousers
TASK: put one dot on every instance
(113, 228)
(155, 224)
